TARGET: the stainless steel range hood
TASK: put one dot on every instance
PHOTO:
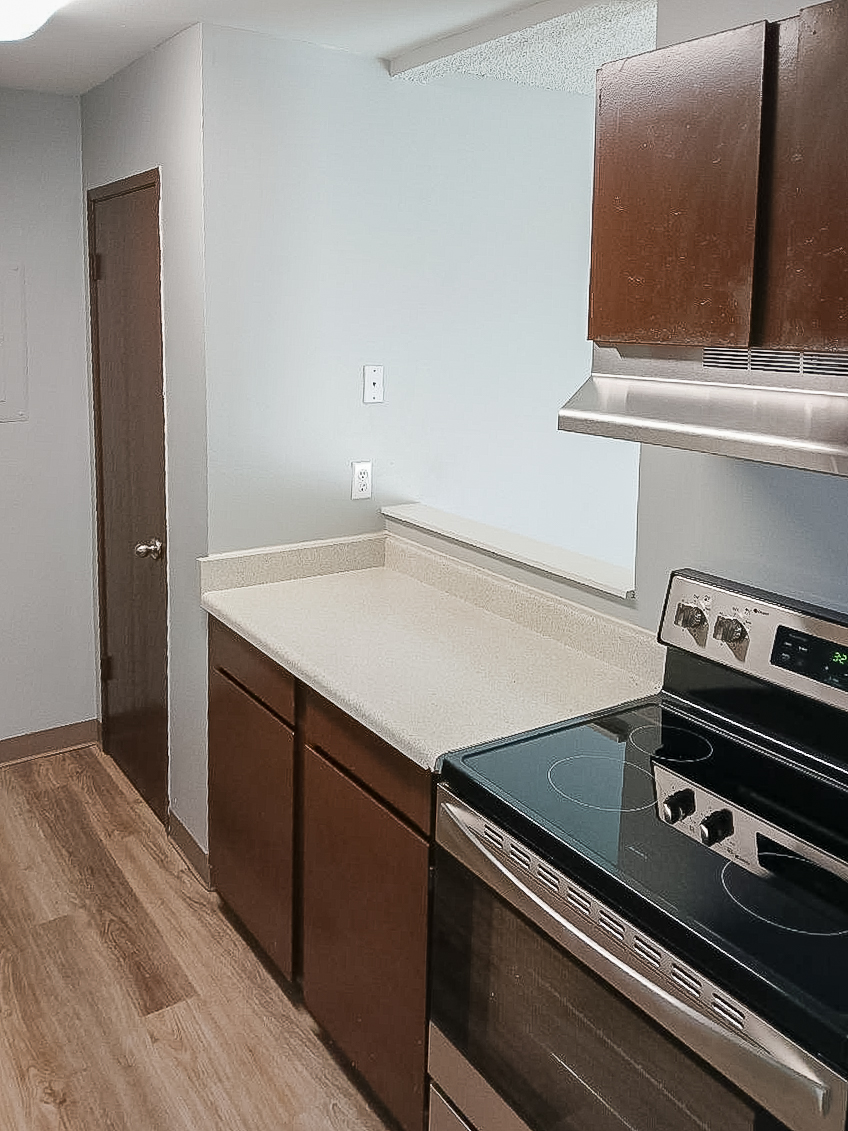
(774, 407)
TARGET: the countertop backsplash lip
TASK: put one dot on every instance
(239, 568)
(626, 646)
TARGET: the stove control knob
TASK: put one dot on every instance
(689, 616)
(678, 805)
(729, 630)
(716, 827)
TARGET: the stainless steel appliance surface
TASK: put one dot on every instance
(782, 407)
(641, 917)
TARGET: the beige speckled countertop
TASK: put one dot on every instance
(430, 653)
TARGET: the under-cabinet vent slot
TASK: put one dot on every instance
(647, 952)
(726, 358)
(686, 979)
(611, 926)
(776, 361)
(520, 855)
(548, 877)
(829, 363)
(727, 1012)
(492, 836)
(579, 900)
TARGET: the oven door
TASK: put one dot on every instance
(537, 1024)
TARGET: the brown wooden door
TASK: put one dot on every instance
(130, 453)
(251, 815)
(365, 901)
(677, 151)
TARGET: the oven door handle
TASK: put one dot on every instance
(785, 1080)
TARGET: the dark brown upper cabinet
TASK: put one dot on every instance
(721, 175)
(677, 152)
(805, 191)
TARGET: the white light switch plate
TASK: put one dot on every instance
(372, 384)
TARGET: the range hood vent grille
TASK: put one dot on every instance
(835, 363)
(776, 361)
(773, 406)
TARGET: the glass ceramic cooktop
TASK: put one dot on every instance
(584, 796)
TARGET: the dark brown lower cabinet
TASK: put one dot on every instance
(251, 815)
(365, 893)
(341, 818)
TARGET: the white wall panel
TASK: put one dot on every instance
(47, 639)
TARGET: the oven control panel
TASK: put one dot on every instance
(731, 831)
(787, 643)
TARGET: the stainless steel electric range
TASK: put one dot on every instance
(641, 917)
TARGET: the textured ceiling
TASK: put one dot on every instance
(560, 54)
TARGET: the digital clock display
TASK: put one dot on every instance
(811, 656)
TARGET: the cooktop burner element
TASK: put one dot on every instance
(595, 781)
(789, 906)
(671, 743)
(713, 814)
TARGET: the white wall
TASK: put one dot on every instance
(678, 20)
(148, 115)
(47, 626)
(441, 230)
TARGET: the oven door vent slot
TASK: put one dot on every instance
(728, 1013)
(520, 855)
(579, 901)
(686, 979)
(493, 836)
(649, 954)
(548, 877)
(611, 926)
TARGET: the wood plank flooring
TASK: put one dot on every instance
(128, 1001)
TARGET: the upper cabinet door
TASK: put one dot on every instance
(677, 156)
(805, 299)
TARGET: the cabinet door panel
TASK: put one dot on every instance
(365, 892)
(806, 298)
(677, 151)
(251, 806)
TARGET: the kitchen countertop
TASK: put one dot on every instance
(428, 652)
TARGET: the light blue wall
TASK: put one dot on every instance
(47, 629)
(441, 230)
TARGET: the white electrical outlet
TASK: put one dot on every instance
(360, 480)
(372, 384)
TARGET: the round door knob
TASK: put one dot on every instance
(678, 805)
(152, 549)
(716, 826)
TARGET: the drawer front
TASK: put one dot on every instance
(402, 783)
(231, 654)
